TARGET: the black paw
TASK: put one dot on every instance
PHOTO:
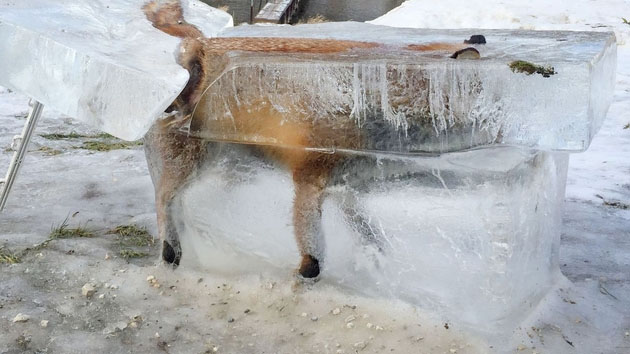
(476, 39)
(309, 267)
(169, 254)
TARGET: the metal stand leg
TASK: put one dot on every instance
(18, 156)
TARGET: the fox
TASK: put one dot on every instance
(174, 157)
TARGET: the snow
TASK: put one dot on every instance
(588, 312)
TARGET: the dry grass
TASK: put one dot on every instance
(128, 253)
(8, 257)
(132, 235)
(64, 231)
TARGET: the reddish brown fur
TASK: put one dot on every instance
(204, 59)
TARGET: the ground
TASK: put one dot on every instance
(142, 306)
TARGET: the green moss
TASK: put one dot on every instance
(128, 253)
(7, 257)
(132, 235)
(625, 21)
(521, 66)
(63, 231)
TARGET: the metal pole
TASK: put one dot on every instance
(251, 11)
(18, 156)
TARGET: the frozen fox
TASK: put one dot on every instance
(178, 155)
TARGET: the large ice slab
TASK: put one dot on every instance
(99, 61)
(472, 237)
(395, 99)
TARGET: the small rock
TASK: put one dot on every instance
(304, 314)
(379, 328)
(350, 318)
(350, 325)
(20, 317)
(157, 335)
(151, 278)
(231, 319)
(314, 318)
(336, 311)
(360, 345)
(521, 347)
(627, 334)
(88, 290)
(453, 350)
(369, 325)
(107, 256)
(247, 311)
(215, 349)
(102, 296)
(44, 323)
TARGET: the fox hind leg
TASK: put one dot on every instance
(310, 177)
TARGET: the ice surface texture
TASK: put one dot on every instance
(99, 61)
(392, 99)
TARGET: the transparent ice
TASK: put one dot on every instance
(98, 61)
(399, 100)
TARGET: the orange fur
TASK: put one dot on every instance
(205, 59)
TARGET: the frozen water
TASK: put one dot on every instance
(483, 223)
(99, 61)
(393, 99)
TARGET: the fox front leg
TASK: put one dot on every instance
(172, 158)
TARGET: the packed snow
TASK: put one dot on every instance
(76, 295)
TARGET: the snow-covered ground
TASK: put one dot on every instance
(188, 311)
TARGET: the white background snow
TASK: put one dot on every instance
(194, 312)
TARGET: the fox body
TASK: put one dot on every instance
(173, 157)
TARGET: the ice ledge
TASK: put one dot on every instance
(98, 61)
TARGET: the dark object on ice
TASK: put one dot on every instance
(521, 66)
(466, 53)
(476, 39)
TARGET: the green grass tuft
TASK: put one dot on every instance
(63, 231)
(627, 126)
(521, 66)
(95, 145)
(625, 21)
(128, 253)
(132, 235)
(61, 136)
(75, 135)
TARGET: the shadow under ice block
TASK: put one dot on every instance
(451, 188)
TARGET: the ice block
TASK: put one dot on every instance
(98, 61)
(399, 100)
(471, 237)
